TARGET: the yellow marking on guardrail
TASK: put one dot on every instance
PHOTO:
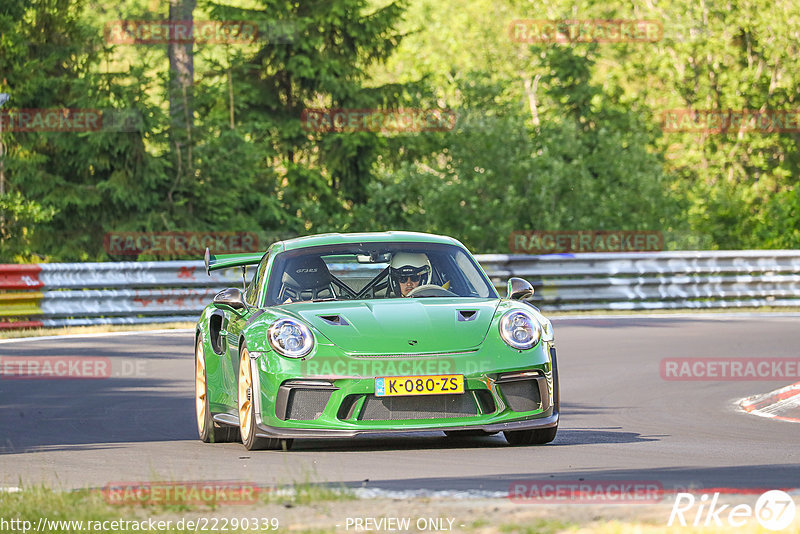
(20, 303)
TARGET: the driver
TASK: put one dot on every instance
(408, 271)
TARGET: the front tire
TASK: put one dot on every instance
(539, 436)
(247, 413)
(207, 429)
(458, 434)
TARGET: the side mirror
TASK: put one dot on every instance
(230, 297)
(519, 289)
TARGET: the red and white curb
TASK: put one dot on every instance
(782, 404)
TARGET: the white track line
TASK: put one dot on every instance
(773, 410)
(99, 334)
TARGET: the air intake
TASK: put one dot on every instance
(417, 407)
(334, 320)
(466, 315)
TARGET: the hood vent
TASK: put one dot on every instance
(334, 320)
(466, 315)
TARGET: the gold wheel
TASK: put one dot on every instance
(200, 387)
(245, 395)
(247, 430)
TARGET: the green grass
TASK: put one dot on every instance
(306, 508)
(538, 526)
(306, 493)
(33, 503)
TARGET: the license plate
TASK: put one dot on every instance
(389, 386)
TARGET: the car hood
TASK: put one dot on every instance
(396, 326)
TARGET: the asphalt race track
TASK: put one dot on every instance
(620, 419)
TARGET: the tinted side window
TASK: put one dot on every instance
(254, 289)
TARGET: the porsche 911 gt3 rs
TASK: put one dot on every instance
(338, 335)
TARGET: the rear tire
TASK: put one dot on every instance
(247, 413)
(208, 430)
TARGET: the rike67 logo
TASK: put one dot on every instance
(774, 510)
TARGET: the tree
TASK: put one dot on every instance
(588, 165)
(20, 220)
(181, 91)
(50, 57)
(314, 55)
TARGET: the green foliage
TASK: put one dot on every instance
(18, 221)
(91, 180)
(497, 172)
(742, 55)
(548, 137)
(320, 61)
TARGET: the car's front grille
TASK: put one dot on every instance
(417, 407)
(307, 404)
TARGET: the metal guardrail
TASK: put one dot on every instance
(656, 280)
(76, 294)
(80, 294)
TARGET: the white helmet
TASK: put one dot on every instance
(405, 264)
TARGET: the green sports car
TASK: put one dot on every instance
(338, 335)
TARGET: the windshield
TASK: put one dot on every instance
(375, 271)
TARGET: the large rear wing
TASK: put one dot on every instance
(224, 261)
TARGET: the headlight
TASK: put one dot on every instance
(290, 338)
(519, 330)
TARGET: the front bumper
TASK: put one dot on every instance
(343, 412)
(265, 431)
